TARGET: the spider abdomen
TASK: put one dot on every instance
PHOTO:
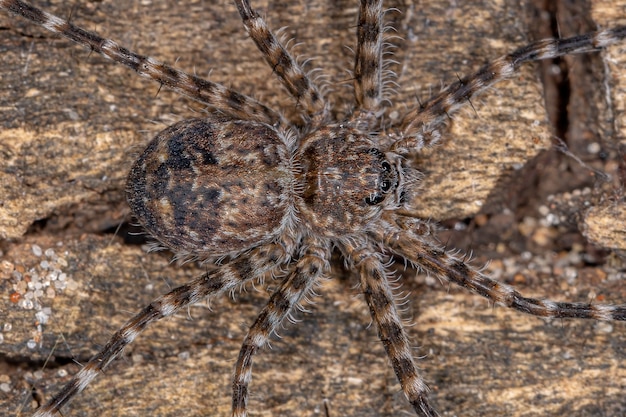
(212, 186)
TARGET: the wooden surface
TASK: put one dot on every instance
(72, 122)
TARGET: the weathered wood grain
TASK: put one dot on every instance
(71, 123)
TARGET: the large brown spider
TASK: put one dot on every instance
(267, 196)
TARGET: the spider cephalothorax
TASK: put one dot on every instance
(260, 196)
(346, 181)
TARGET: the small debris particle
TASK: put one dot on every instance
(37, 250)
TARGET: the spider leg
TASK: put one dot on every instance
(212, 94)
(368, 60)
(380, 299)
(297, 284)
(282, 63)
(257, 263)
(452, 268)
(429, 116)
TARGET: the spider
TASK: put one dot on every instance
(316, 185)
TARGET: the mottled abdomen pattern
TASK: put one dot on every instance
(217, 184)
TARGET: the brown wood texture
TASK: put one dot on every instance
(71, 123)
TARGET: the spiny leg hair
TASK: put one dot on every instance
(295, 286)
(363, 250)
(381, 301)
(368, 58)
(259, 262)
(449, 267)
(282, 63)
(424, 120)
(212, 94)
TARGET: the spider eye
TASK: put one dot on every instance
(388, 178)
(387, 181)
